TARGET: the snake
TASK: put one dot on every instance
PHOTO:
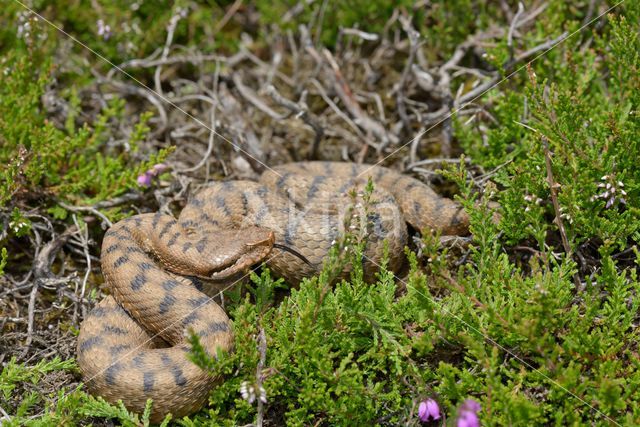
(161, 272)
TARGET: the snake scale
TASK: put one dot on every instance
(159, 270)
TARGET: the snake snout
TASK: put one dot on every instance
(252, 245)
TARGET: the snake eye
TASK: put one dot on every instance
(262, 239)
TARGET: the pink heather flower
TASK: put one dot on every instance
(144, 180)
(468, 414)
(468, 419)
(104, 30)
(428, 410)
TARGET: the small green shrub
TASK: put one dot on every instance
(70, 164)
(589, 116)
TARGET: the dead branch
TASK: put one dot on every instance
(42, 272)
(301, 111)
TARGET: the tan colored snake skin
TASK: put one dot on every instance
(156, 268)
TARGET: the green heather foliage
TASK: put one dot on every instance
(117, 29)
(327, 17)
(44, 164)
(521, 344)
(589, 112)
(40, 159)
(507, 330)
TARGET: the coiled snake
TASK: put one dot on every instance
(132, 344)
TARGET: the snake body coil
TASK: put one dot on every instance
(132, 345)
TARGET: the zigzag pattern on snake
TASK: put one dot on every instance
(132, 344)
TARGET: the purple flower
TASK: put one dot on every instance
(428, 410)
(468, 414)
(468, 419)
(144, 180)
(104, 30)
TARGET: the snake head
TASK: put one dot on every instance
(238, 250)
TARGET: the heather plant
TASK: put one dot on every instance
(118, 30)
(584, 122)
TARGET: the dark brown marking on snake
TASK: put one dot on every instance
(196, 202)
(166, 360)
(389, 199)
(222, 204)
(110, 233)
(328, 169)
(187, 246)
(438, 205)
(133, 250)
(178, 376)
(188, 320)
(344, 187)
(200, 246)
(167, 302)
(262, 212)
(110, 329)
(280, 183)
(144, 266)
(213, 328)
(172, 241)
(262, 191)
(138, 281)
(148, 379)
(197, 302)
(289, 233)
(138, 360)
(119, 348)
(375, 220)
(207, 218)
(123, 259)
(111, 248)
(166, 227)
(411, 186)
(245, 203)
(156, 219)
(315, 186)
(111, 372)
(98, 311)
(169, 285)
(417, 207)
(459, 217)
(91, 342)
(188, 224)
